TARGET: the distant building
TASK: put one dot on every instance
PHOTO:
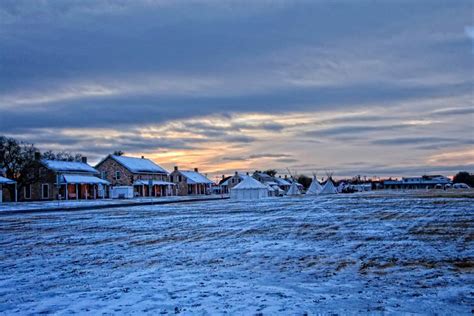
(67, 180)
(413, 183)
(228, 183)
(263, 177)
(145, 176)
(191, 182)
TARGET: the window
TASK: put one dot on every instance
(117, 175)
(179, 179)
(45, 191)
(171, 178)
(27, 192)
(104, 174)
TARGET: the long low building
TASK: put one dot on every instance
(68, 180)
(413, 183)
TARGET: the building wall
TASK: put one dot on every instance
(37, 175)
(181, 186)
(110, 167)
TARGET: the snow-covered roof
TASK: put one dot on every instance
(79, 178)
(328, 188)
(153, 182)
(139, 165)
(69, 166)
(249, 183)
(6, 181)
(293, 190)
(241, 176)
(281, 181)
(193, 177)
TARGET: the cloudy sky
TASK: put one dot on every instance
(357, 87)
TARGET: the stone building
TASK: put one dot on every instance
(146, 177)
(66, 180)
(190, 182)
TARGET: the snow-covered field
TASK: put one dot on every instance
(343, 254)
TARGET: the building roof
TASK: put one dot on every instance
(193, 177)
(281, 181)
(80, 178)
(249, 183)
(240, 175)
(68, 166)
(6, 181)
(139, 165)
(265, 177)
(225, 180)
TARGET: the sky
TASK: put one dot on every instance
(376, 88)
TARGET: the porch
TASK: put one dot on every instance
(153, 188)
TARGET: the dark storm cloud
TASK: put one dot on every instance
(124, 65)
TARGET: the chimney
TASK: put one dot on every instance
(37, 155)
(175, 168)
(247, 173)
(223, 177)
(236, 173)
(286, 177)
(84, 159)
(143, 157)
(196, 170)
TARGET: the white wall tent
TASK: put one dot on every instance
(293, 190)
(315, 188)
(329, 188)
(249, 189)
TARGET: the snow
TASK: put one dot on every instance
(194, 177)
(74, 166)
(345, 254)
(77, 178)
(249, 183)
(6, 181)
(281, 181)
(293, 190)
(139, 165)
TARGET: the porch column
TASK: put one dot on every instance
(87, 190)
(77, 192)
(16, 193)
(67, 191)
(95, 192)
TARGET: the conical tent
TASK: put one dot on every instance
(293, 190)
(329, 188)
(315, 188)
(249, 189)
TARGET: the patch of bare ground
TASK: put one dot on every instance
(299, 263)
(444, 230)
(379, 266)
(344, 264)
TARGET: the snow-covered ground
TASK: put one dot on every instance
(343, 254)
(72, 204)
